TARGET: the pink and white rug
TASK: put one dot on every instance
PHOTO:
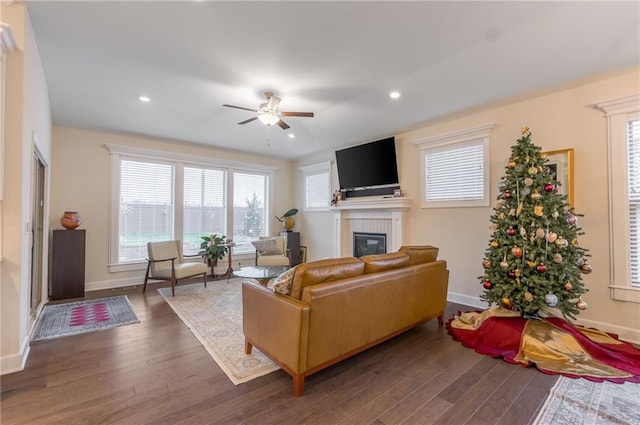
(84, 316)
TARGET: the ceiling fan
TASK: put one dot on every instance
(268, 112)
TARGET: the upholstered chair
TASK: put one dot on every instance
(166, 262)
(271, 251)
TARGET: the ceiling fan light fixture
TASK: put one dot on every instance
(268, 118)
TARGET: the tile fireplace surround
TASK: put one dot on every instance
(370, 214)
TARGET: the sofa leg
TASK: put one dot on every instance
(298, 385)
(247, 347)
(441, 319)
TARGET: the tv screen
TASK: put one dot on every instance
(371, 164)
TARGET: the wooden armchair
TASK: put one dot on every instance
(166, 262)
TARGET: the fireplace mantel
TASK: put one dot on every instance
(374, 203)
(380, 212)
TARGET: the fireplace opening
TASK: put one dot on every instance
(369, 243)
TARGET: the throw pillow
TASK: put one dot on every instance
(267, 247)
(282, 284)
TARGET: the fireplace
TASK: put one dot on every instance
(369, 243)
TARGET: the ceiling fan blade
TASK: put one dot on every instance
(249, 120)
(297, 114)
(240, 107)
(283, 125)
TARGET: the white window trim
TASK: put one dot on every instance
(311, 170)
(119, 152)
(618, 112)
(450, 139)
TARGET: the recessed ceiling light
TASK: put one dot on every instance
(292, 136)
(144, 98)
(394, 94)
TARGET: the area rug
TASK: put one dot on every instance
(551, 344)
(214, 315)
(578, 401)
(83, 316)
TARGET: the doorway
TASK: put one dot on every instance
(37, 234)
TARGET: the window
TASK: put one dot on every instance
(146, 207)
(317, 186)
(162, 196)
(249, 210)
(204, 211)
(623, 116)
(455, 169)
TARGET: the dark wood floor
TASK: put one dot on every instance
(156, 372)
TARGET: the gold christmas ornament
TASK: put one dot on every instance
(535, 195)
(568, 286)
(512, 164)
(586, 268)
(523, 231)
(538, 210)
(518, 273)
(528, 296)
(557, 258)
(494, 244)
(533, 170)
(555, 214)
(540, 232)
(525, 131)
(531, 264)
(561, 242)
(504, 264)
(581, 304)
(506, 302)
(501, 216)
(486, 263)
(528, 181)
(551, 237)
(519, 211)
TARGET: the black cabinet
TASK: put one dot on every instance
(292, 240)
(67, 264)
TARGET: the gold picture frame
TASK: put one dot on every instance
(561, 162)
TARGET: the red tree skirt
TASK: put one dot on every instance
(552, 344)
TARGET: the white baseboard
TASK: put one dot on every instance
(114, 283)
(466, 300)
(624, 333)
(15, 362)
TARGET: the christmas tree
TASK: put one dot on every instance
(534, 260)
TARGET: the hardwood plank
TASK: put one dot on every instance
(157, 372)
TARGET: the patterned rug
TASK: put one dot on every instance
(214, 315)
(578, 401)
(83, 316)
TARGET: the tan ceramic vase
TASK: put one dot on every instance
(288, 223)
(70, 220)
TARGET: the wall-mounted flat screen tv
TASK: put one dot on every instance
(368, 165)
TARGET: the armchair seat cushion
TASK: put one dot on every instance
(273, 260)
(183, 270)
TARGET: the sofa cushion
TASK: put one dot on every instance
(282, 283)
(420, 253)
(267, 247)
(380, 262)
(327, 270)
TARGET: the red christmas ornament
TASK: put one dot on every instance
(511, 231)
(512, 274)
(541, 268)
(549, 187)
(507, 194)
(487, 284)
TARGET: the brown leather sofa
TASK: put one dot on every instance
(339, 307)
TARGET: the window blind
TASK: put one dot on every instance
(633, 161)
(249, 209)
(146, 207)
(204, 210)
(317, 190)
(454, 172)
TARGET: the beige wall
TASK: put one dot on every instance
(565, 118)
(80, 176)
(26, 114)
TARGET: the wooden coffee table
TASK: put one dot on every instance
(262, 274)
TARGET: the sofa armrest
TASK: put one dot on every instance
(276, 324)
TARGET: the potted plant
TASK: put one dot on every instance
(213, 248)
(287, 221)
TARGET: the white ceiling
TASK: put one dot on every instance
(337, 59)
